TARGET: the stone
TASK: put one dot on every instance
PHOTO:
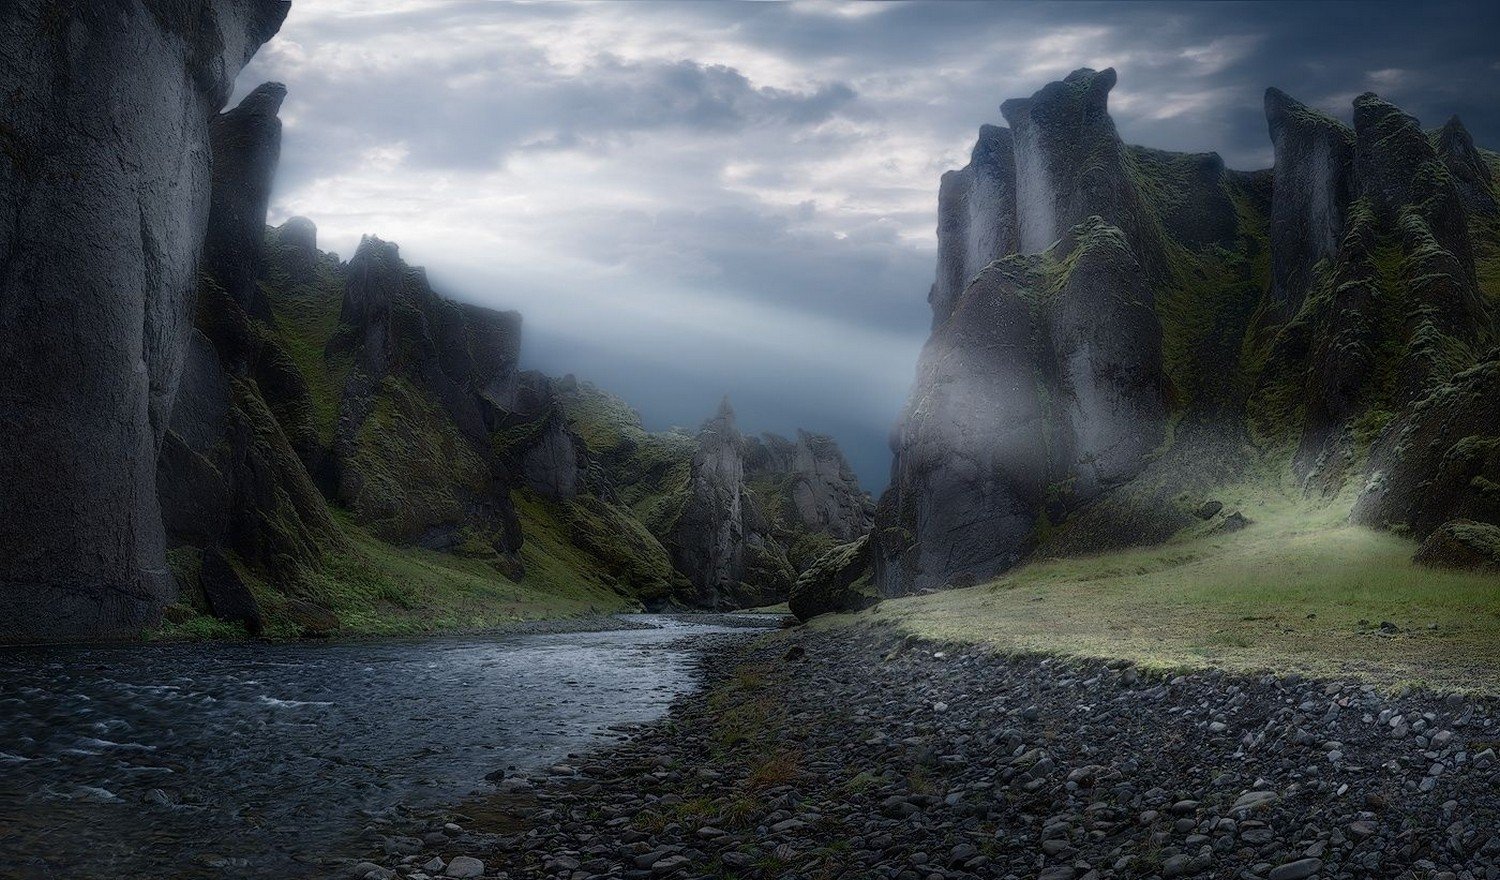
(227, 595)
(1313, 170)
(976, 218)
(462, 867)
(246, 143)
(1461, 544)
(832, 583)
(1020, 391)
(1298, 870)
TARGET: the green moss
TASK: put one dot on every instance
(306, 318)
(410, 469)
(649, 470)
(618, 570)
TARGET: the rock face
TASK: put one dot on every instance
(1471, 173)
(228, 477)
(1314, 164)
(1439, 460)
(246, 147)
(106, 180)
(1395, 310)
(758, 510)
(976, 218)
(1044, 386)
(812, 475)
(709, 543)
(1329, 311)
(413, 453)
(1070, 165)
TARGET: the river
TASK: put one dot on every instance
(252, 760)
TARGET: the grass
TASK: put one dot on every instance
(307, 316)
(1299, 590)
(376, 588)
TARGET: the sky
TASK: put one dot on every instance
(687, 200)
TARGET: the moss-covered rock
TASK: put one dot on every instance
(1463, 544)
(1439, 460)
(838, 581)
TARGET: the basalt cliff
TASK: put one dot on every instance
(105, 180)
(1119, 330)
(218, 423)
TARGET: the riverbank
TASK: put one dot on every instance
(861, 752)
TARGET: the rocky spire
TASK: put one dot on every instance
(709, 541)
(1311, 186)
(104, 207)
(246, 149)
(1070, 165)
(1471, 174)
(976, 218)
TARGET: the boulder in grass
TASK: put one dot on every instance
(1462, 544)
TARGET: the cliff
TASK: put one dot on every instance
(105, 178)
(1152, 325)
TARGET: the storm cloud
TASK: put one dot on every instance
(693, 199)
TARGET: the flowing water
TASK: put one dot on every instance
(259, 760)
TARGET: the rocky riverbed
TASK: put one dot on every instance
(864, 754)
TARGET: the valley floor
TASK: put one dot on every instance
(864, 753)
(1298, 590)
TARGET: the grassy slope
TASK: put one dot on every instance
(375, 588)
(1298, 590)
(380, 589)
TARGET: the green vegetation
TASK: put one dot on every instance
(585, 544)
(306, 318)
(410, 467)
(374, 588)
(1298, 590)
(650, 470)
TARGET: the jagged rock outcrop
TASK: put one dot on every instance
(976, 218)
(708, 541)
(297, 241)
(757, 510)
(246, 144)
(414, 450)
(1141, 294)
(1471, 173)
(228, 477)
(1312, 172)
(811, 475)
(1071, 165)
(1440, 459)
(105, 181)
(1393, 308)
(1044, 387)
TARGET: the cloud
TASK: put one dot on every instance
(693, 198)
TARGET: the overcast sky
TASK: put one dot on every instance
(692, 199)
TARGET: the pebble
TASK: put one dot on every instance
(841, 762)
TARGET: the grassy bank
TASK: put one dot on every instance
(1298, 590)
(374, 588)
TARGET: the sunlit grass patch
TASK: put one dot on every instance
(1298, 590)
